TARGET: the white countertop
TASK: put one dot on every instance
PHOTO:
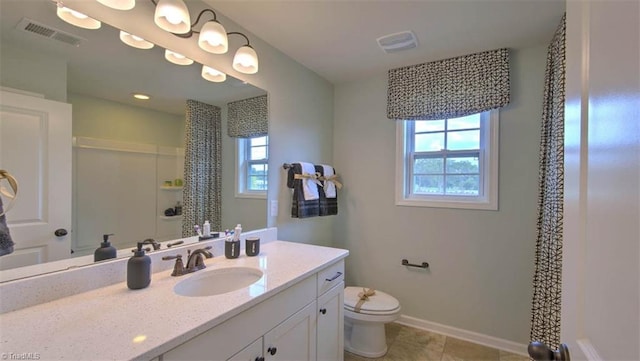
(116, 323)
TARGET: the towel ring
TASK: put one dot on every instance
(14, 186)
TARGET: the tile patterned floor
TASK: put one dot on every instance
(411, 344)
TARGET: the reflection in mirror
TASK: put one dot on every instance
(128, 154)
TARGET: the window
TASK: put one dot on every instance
(449, 163)
(252, 167)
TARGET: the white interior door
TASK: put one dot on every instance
(601, 251)
(35, 147)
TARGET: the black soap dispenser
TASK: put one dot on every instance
(106, 250)
(139, 269)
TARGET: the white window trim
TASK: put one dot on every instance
(490, 155)
(241, 174)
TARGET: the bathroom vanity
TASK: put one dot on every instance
(294, 311)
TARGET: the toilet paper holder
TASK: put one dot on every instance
(424, 265)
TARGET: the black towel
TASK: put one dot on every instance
(6, 243)
(300, 208)
(328, 206)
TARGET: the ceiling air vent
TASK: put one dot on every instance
(403, 40)
(34, 27)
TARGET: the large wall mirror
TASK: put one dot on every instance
(128, 154)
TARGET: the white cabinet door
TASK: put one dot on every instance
(330, 330)
(253, 352)
(35, 147)
(293, 339)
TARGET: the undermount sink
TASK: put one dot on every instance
(217, 281)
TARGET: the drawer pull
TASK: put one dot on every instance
(338, 274)
(272, 350)
(323, 311)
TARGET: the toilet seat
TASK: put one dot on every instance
(379, 304)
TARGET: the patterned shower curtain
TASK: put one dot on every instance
(202, 167)
(547, 280)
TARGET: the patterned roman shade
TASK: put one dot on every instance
(449, 88)
(248, 118)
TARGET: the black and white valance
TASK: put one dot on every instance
(248, 118)
(450, 88)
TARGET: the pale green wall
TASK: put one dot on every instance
(26, 70)
(481, 261)
(100, 118)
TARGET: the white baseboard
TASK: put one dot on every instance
(481, 339)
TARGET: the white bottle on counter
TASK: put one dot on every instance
(206, 229)
(236, 232)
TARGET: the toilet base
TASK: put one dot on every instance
(366, 339)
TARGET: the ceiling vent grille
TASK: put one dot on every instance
(392, 43)
(34, 27)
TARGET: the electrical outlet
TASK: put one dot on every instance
(274, 208)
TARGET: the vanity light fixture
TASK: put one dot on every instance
(246, 59)
(119, 4)
(173, 16)
(213, 75)
(177, 58)
(135, 41)
(213, 37)
(76, 18)
(141, 96)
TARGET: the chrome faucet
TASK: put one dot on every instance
(151, 241)
(195, 262)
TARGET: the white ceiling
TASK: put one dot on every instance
(337, 39)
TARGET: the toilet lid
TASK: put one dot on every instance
(380, 302)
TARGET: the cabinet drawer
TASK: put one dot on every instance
(330, 276)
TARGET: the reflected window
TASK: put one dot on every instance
(449, 163)
(252, 167)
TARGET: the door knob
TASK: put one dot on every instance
(60, 232)
(541, 352)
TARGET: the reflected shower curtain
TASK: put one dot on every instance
(202, 167)
(547, 280)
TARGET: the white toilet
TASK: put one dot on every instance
(364, 333)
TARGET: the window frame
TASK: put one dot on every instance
(242, 169)
(488, 165)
